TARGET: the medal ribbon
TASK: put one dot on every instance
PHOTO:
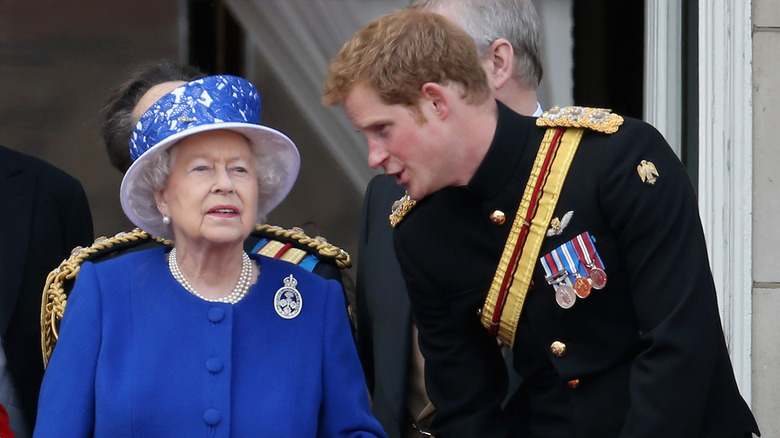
(556, 274)
(573, 265)
(507, 293)
(586, 251)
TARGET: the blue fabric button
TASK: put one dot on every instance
(214, 365)
(212, 417)
(216, 314)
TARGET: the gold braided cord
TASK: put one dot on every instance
(325, 249)
(54, 299)
(596, 119)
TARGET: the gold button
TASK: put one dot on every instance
(573, 384)
(498, 217)
(558, 348)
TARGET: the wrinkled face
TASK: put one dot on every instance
(410, 149)
(211, 192)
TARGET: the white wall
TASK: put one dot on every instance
(766, 211)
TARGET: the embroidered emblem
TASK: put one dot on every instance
(400, 208)
(557, 225)
(288, 302)
(596, 119)
(647, 172)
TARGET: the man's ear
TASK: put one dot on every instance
(434, 97)
(499, 63)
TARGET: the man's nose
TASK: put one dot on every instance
(376, 156)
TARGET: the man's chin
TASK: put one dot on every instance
(414, 192)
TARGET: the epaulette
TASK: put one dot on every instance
(293, 245)
(596, 119)
(55, 297)
(400, 208)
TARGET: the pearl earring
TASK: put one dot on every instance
(166, 220)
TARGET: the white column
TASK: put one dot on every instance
(725, 166)
(663, 69)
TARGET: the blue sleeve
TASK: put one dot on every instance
(67, 400)
(345, 410)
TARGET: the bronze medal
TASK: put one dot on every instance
(565, 296)
(582, 287)
(598, 278)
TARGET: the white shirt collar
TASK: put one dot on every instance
(538, 111)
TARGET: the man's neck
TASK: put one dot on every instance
(479, 128)
(518, 98)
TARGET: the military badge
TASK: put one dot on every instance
(647, 172)
(400, 208)
(288, 302)
(574, 269)
(557, 225)
(596, 119)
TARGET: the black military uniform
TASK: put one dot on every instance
(643, 357)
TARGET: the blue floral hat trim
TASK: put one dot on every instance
(205, 101)
(209, 103)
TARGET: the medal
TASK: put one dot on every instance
(586, 251)
(565, 296)
(558, 277)
(598, 277)
(574, 269)
(582, 287)
(582, 284)
(288, 302)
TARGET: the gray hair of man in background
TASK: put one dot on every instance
(488, 20)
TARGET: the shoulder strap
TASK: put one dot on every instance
(60, 281)
(294, 246)
(507, 293)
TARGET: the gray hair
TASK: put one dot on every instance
(154, 176)
(488, 20)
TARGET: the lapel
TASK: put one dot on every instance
(17, 195)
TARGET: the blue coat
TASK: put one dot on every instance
(139, 356)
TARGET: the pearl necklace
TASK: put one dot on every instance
(239, 292)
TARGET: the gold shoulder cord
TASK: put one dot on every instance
(54, 299)
(324, 249)
(507, 293)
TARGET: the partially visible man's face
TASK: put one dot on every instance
(408, 149)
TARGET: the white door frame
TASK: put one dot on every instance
(725, 146)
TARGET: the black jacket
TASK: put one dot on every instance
(384, 316)
(45, 215)
(645, 356)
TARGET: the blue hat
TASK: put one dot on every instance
(205, 104)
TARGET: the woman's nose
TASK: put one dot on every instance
(222, 181)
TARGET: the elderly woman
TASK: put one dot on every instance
(204, 340)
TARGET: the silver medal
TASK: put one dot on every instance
(288, 301)
(565, 296)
